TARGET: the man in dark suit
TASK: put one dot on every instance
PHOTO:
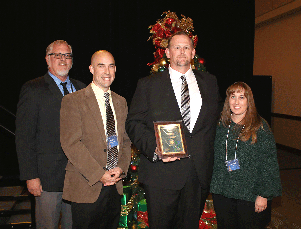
(94, 139)
(42, 162)
(176, 189)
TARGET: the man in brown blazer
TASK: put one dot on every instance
(93, 179)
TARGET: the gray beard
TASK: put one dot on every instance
(186, 63)
(63, 73)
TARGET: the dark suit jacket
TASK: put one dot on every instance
(84, 142)
(38, 132)
(154, 100)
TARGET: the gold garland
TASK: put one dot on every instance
(127, 208)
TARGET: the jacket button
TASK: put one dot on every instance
(105, 150)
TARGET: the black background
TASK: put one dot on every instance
(225, 31)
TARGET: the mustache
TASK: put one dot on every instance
(62, 62)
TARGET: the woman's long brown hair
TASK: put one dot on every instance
(252, 120)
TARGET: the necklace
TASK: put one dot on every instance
(236, 140)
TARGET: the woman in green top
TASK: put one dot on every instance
(246, 172)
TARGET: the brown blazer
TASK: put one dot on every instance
(83, 140)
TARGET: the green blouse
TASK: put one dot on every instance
(259, 171)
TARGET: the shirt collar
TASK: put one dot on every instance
(174, 74)
(97, 90)
(57, 80)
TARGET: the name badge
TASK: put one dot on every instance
(112, 141)
(232, 165)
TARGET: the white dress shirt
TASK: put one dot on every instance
(194, 93)
(99, 94)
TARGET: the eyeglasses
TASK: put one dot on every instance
(59, 55)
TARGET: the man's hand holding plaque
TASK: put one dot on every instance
(171, 144)
(166, 158)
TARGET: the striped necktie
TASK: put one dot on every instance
(66, 92)
(185, 102)
(111, 135)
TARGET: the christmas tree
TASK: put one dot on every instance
(133, 204)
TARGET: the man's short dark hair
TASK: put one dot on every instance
(179, 33)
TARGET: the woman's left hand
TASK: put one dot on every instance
(260, 204)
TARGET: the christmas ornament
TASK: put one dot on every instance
(133, 167)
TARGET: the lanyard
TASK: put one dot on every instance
(71, 87)
(236, 141)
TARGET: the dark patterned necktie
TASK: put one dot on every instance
(185, 103)
(111, 134)
(66, 92)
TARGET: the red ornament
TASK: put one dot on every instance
(143, 217)
(208, 215)
(168, 22)
(159, 54)
(202, 225)
(167, 34)
(201, 60)
(133, 167)
(175, 29)
(156, 27)
(160, 33)
(195, 41)
(158, 42)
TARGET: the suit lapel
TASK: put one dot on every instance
(120, 117)
(118, 110)
(74, 83)
(170, 100)
(53, 87)
(94, 108)
(202, 86)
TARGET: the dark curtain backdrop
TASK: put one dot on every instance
(225, 30)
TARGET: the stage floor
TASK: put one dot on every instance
(286, 210)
